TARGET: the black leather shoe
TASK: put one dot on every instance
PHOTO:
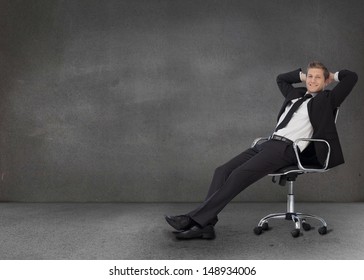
(207, 232)
(181, 222)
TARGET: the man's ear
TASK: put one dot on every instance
(327, 81)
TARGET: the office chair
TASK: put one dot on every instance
(289, 174)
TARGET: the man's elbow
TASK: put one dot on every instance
(279, 79)
(349, 75)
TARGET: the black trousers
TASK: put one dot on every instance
(240, 172)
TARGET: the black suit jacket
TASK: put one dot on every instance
(321, 112)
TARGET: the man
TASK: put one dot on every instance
(307, 112)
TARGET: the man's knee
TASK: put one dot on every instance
(222, 171)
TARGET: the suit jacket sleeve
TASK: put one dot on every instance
(347, 80)
(285, 82)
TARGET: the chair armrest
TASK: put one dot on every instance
(296, 150)
(257, 140)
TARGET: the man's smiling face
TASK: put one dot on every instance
(315, 80)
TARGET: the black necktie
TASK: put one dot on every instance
(291, 111)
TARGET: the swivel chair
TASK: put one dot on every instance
(289, 175)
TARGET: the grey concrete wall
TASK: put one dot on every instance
(141, 100)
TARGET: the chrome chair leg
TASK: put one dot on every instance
(297, 221)
(322, 230)
(271, 216)
(303, 216)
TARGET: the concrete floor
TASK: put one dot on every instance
(138, 231)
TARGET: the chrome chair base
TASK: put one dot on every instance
(299, 219)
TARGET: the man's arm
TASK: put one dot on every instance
(286, 80)
(346, 81)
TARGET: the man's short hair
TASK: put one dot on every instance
(319, 65)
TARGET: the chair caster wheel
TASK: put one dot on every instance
(265, 226)
(258, 230)
(322, 230)
(295, 233)
(306, 226)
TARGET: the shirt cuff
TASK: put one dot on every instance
(301, 76)
(336, 77)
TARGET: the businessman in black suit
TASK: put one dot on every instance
(307, 112)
